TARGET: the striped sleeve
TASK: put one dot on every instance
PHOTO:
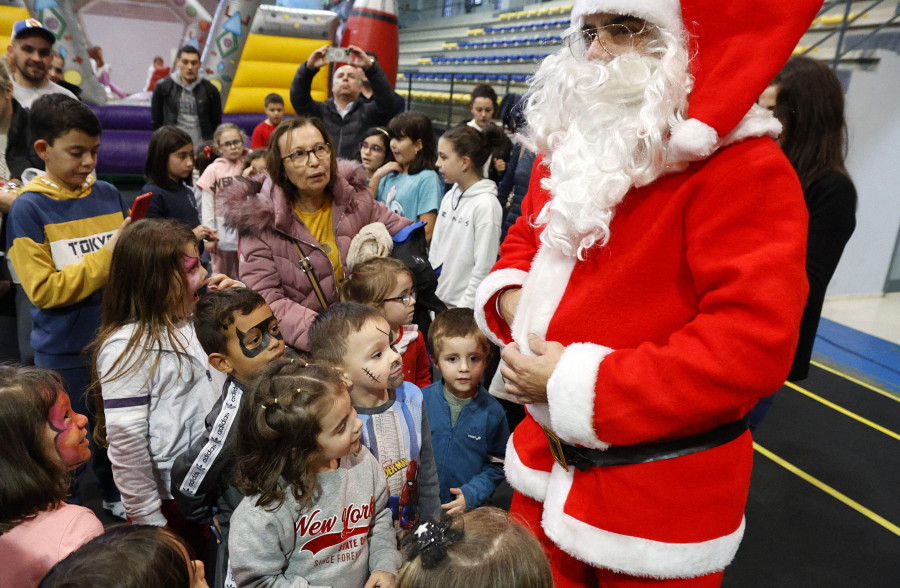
(62, 263)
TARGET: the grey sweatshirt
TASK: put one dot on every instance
(339, 540)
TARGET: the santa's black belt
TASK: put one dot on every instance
(585, 457)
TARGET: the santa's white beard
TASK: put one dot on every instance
(603, 129)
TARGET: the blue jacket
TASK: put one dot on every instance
(469, 455)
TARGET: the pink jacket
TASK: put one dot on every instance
(269, 262)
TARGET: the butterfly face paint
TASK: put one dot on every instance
(193, 273)
(257, 338)
(69, 431)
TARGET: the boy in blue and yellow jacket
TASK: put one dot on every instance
(61, 232)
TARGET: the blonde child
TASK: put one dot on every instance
(386, 284)
(409, 186)
(44, 441)
(314, 512)
(480, 549)
(467, 230)
(468, 426)
(154, 378)
(357, 339)
(229, 140)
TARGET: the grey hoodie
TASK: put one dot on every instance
(338, 541)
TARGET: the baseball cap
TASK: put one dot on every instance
(30, 27)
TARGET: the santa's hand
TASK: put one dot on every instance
(526, 376)
(457, 506)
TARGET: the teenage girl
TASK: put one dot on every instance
(467, 232)
(169, 171)
(229, 140)
(409, 186)
(130, 555)
(388, 285)
(155, 384)
(483, 106)
(482, 548)
(314, 512)
(375, 150)
(44, 440)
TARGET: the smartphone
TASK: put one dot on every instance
(338, 55)
(141, 206)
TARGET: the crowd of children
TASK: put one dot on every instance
(234, 459)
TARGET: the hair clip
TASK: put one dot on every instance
(208, 150)
(263, 406)
(431, 540)
(274, 402)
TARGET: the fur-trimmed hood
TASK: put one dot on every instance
(254, 205)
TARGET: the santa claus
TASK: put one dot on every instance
(652, 290)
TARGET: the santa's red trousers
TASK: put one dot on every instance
(569, 572)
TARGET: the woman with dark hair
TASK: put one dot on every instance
(809, 102)
(295, 229)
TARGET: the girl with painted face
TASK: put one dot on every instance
(44, 441)
(153, 378)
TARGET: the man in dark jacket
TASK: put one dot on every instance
(186, 100)
(346, 114)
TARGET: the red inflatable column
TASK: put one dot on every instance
(372, 26)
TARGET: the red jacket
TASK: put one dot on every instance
(269, 262)
(680, 323)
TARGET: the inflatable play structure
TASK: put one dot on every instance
(248, 51)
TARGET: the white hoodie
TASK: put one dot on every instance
(465, 241)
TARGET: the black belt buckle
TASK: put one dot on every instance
(556, 448)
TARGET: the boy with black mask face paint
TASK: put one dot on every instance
(241, 336)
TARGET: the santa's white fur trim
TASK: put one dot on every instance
(664, 13)
(759, 122)
(570, 394)
(493, 283)
(547, 281)
(636, 556)
(691, 140)
(531, 483)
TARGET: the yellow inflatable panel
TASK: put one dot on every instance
(8, 16)
(265, 73)
(280, 49)
(251, 99)
(268, 64)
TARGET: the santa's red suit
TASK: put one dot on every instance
(680, 323)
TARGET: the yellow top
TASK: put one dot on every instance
(319, 224)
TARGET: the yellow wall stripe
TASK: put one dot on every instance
(829, 490)
(843, 410)
(893, 397)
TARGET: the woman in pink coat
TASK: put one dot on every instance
(308, 208)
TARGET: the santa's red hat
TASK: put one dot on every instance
(736, 48)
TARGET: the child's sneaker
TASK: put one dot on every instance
(116, 509)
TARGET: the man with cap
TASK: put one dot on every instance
(651, 291)
(31, 51)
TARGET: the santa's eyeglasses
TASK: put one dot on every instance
(616, 39)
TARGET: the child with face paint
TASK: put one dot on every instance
(314, 512)
(154, 381)
(388, 285)
(357, 339)
(44, 441)
(240, 335)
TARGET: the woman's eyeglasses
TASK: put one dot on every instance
(406, 300)
(301, 156)
(371, 147)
